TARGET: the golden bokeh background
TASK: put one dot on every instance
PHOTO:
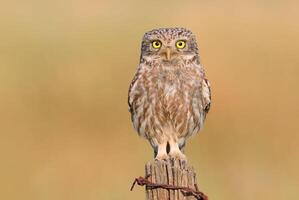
(65, 68)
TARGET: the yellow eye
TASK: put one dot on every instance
(180, 44)
(156, 44)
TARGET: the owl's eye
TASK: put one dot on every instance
(180, 44)
(156, 44)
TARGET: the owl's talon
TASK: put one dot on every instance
(161, 157)
(178, 155)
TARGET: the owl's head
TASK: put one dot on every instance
(169, 45)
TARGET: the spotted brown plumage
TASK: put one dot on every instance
(169, 95)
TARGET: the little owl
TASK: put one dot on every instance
(169, 96)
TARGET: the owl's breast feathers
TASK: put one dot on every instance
(163, 97)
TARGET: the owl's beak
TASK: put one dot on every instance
(168, 51)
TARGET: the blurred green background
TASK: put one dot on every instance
(65, 68)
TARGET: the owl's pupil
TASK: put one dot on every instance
(180, 44)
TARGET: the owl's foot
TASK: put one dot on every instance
(161, 157)
(177, 155)
(175, 151)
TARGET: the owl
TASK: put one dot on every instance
(169, 96)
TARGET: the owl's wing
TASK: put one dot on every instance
(130, 95)
(206, 94)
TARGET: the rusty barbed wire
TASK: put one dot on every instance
(185, 190)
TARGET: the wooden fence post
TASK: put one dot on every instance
(170, 180)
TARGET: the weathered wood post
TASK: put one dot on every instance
(170, 180)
